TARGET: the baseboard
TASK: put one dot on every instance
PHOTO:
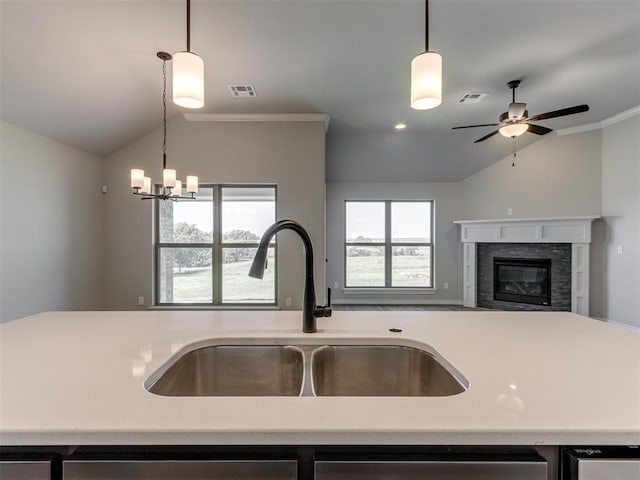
(620, 324)
(394, 301)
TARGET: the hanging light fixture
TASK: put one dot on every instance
(188, 74)
(426, 74)
(171, 187)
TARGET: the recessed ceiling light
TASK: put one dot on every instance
(400, 126)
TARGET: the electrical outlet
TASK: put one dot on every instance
(141, 301)
(446, 285)
(287, 301)
(619, 250)
(336, 285)
(509, 211)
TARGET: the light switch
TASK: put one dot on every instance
(619, 249)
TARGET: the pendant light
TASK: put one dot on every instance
(188, 74)
(171, 187)
(426, 74)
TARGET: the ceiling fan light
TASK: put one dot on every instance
(514, 129)
(426, 81)
(188, 80)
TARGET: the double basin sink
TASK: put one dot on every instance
(274, 368)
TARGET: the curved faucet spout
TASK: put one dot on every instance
(309, 310)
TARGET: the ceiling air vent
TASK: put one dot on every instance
(472, 97)
(246, 91)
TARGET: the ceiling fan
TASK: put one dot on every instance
(515, 121)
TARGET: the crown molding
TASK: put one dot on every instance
(259, 117)
(607, 122)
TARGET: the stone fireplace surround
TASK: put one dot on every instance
(575, 231)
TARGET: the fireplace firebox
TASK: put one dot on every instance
(522, 280)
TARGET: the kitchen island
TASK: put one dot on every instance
(534, 379)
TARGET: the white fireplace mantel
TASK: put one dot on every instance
(573, 230)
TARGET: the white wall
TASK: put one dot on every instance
(447, 203)
(621, 215)
(291, 155)
(51, 235)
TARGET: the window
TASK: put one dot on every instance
(204, 247)
(389, 244)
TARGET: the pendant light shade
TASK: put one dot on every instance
(514, 129)
(426, 73)
(426, 81)
(188, 74)
(188, 80)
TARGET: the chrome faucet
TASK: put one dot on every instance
(310, 311)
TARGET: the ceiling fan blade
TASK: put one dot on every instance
(539, 129)
(474, 126)
(486, 136)
(559, 113)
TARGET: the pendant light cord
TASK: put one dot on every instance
(426, 25)
(164, 114)
(188, 25)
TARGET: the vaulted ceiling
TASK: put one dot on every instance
(86, 72)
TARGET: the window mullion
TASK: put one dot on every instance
(216, 271)
(387, 244)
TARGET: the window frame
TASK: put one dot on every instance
(388, 246)
(217, 246)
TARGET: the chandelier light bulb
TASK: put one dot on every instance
(168, 178)
(192, 184)
(137, 178)
(146, 187)
(177, 190)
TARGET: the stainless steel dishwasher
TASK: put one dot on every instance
(601, 463)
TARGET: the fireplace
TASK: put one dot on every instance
(524, 276)
(522, 280)
(565, 241)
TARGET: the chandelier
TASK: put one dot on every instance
(171, 187)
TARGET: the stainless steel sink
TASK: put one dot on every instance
(380, 370)
(307, 369)
(234, 370)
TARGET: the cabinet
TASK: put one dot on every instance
(22, 469)
(447, 464)
(179, 469)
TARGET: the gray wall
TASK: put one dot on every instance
(621, 217)
(291, 155)
(51, 235)
(558, 176)
(447, 250)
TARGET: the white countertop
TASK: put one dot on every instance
(76, 378)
